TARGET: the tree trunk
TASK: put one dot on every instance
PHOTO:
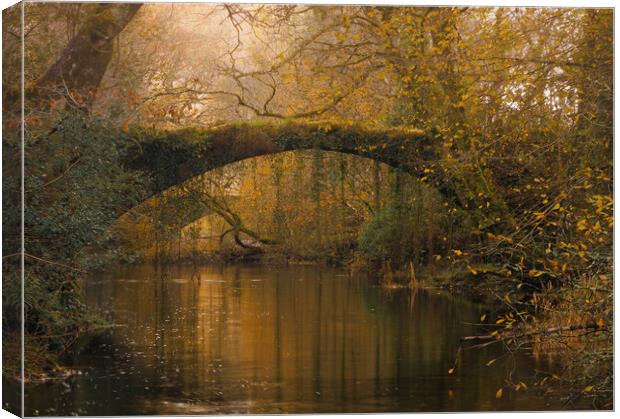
(81, 66)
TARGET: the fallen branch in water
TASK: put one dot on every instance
(532, 333)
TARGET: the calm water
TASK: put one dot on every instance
(274, 340)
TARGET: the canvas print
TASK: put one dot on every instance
(291, 208)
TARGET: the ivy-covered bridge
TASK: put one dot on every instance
(172, 157)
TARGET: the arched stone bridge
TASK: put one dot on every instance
(172, 157)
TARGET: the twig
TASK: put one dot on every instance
(60, 175)
(532, 333)
(53, 263)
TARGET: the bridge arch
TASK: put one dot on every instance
(170, 158)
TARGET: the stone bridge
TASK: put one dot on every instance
(172, 157)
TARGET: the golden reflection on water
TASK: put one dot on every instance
(267, 340)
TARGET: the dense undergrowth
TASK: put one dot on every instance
(74, 189)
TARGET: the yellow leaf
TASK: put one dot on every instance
(582, 225)
(451, 370)
(484, 316)
(499, 393)
(588, 389)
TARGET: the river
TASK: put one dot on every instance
(256, 339)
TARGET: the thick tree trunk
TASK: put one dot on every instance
(81, 66)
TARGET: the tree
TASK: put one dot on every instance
(81, 66)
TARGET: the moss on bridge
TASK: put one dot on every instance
(173, 156)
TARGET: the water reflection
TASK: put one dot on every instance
(266, 340)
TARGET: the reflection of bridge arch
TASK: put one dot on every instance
(172, 157)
